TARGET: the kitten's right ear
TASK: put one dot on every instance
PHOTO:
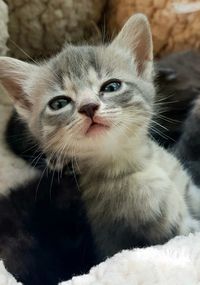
(13, 76)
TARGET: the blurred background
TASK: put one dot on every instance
(37, 29)
(41, 27)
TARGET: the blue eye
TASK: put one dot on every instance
(59, 102)
(111, 86)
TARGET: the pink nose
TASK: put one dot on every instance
(89, 109)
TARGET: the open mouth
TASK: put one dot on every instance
(96, 128)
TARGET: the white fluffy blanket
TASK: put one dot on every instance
(6, 278)
(175, 263)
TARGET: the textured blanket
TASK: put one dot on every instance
(175, 263)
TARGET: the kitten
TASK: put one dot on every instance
(188, 146)
(93, 105)
(176, 91)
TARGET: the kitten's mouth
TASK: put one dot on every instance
(96, 128)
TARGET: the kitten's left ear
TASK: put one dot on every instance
(136, 38)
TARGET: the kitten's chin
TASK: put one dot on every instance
(96, 129)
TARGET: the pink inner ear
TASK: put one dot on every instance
(143, 54)
(17, 94)
(136, 37)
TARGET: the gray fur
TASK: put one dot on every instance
(133, 189)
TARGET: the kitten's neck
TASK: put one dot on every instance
(129, 158)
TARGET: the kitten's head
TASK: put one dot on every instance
(88, 99)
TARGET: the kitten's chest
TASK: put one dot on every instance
(108, 194)
(137, 195)
(133, 196)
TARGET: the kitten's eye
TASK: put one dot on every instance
(59, 102)
(111, 86)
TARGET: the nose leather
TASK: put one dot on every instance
(89, 109)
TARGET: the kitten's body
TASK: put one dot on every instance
(138, 203)
(94, 105)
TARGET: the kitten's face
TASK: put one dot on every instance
(96, 101)
(88, 100)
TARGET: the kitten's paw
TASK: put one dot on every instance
(194, 226)
(189, 225)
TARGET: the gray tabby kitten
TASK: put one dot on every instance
(93, 105)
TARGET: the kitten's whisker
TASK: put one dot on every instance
(36, 159)
(37, 188)
(62, 161)
(159, 125)
(165, 103)
(168, 119)
(77, 166)
(51, 185)
(160, 97)
(74, 173)
(22, 50)
(161, 134)
(74, 123)
(35, 146)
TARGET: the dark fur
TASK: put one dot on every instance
(178, 86)
(178, 81)
(44, 234)
(22, 143)
(188, 147)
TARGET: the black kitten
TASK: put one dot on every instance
(44, 234)
(178, 85)
(188, 146)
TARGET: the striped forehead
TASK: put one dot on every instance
(76, 64)
(78, 67)
(88, 79)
